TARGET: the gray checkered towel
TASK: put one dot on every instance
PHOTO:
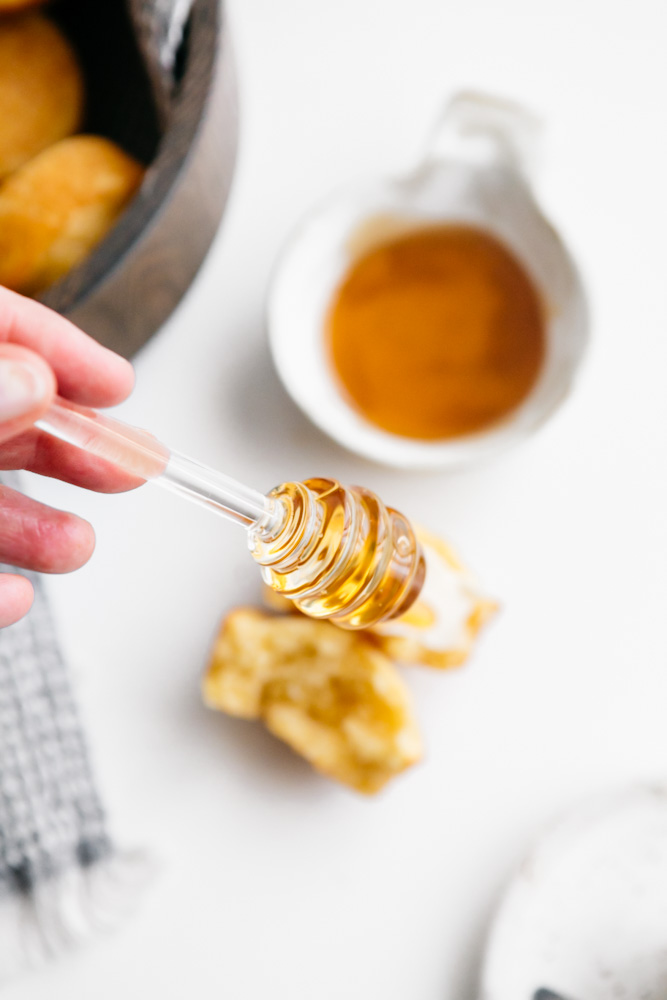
(60, 877)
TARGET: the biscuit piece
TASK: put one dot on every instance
(441, 626)
(41, 88)
(59, 206)
(326, 692)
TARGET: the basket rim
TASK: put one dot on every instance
(163, 173)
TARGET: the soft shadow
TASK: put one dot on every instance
(254, 752)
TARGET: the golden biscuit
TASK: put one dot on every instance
(326, 692)
(41, 88)
(56, 208)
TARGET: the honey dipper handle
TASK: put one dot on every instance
(142, 455)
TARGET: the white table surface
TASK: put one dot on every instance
(274, 882)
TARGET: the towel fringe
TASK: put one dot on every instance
(62, 913)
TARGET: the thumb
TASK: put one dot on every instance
(27, 387)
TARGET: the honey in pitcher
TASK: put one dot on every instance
(339, 553)
(438, 333)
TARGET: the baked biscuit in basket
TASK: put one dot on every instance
(41, 88)
(326, 692)
(56, 208)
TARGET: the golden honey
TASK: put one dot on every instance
(339, 553)
(437, 334)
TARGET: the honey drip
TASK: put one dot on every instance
(438, 333)
(340, 553)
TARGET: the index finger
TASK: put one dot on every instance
(87, 373)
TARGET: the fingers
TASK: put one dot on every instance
(86, 372)
(16, 596)
(40, 352)
(34, 536)
(27, 386)
(38, 452)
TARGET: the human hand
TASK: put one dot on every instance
(41, 354)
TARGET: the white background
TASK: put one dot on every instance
(274, 882)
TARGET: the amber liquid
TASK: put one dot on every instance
(437, 334)
(340, 553)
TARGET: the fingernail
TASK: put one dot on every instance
(21, 389)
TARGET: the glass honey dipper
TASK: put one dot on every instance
(337, 552)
